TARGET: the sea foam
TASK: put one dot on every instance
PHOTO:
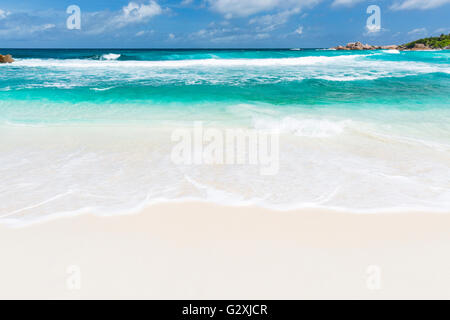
(332, 162)
(81, 63)
(110, 56)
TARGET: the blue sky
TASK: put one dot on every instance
(217, 23)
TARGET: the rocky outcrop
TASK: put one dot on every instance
(420, 46)
(6, 59)
(355, 46)
(359, 46)
(432, 43)
(391, 47)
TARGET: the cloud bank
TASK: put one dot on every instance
(245, 8)
(418, 4)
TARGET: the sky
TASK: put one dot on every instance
(217, 23)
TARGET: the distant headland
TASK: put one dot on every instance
(433, 43)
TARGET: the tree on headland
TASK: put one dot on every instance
(440, 42)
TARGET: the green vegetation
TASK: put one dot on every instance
(433, 42)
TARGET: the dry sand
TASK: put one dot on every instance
(203, 251)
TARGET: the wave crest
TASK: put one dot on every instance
(110, 56)
(108, 59)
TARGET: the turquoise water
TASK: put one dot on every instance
(138, 83)
(359, 130)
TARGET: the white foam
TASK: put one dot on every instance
(102, 89)
(110, 56)
(325, 162)
(210, 71)
(76, 63)
(393, 51)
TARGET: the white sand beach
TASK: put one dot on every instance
(203, 251)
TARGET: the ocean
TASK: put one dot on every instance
(91, 130)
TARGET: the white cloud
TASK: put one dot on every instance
(245, 8)
(134, 12)
(144, 32)
(203, 33)
(262, 25)
(3, 14)
(217, 32)
(299, 30)
(242, 8)
(232, 38)
(21, 31)
(347, 3)
(418, 4)
(418, 31)
(442, 30)
(270, 22)
(24, 24)
(38, 28)
(261, 36)
(171, 36)
(47, 26)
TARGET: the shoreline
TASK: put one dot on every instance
(154, 205)
(206, 251)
